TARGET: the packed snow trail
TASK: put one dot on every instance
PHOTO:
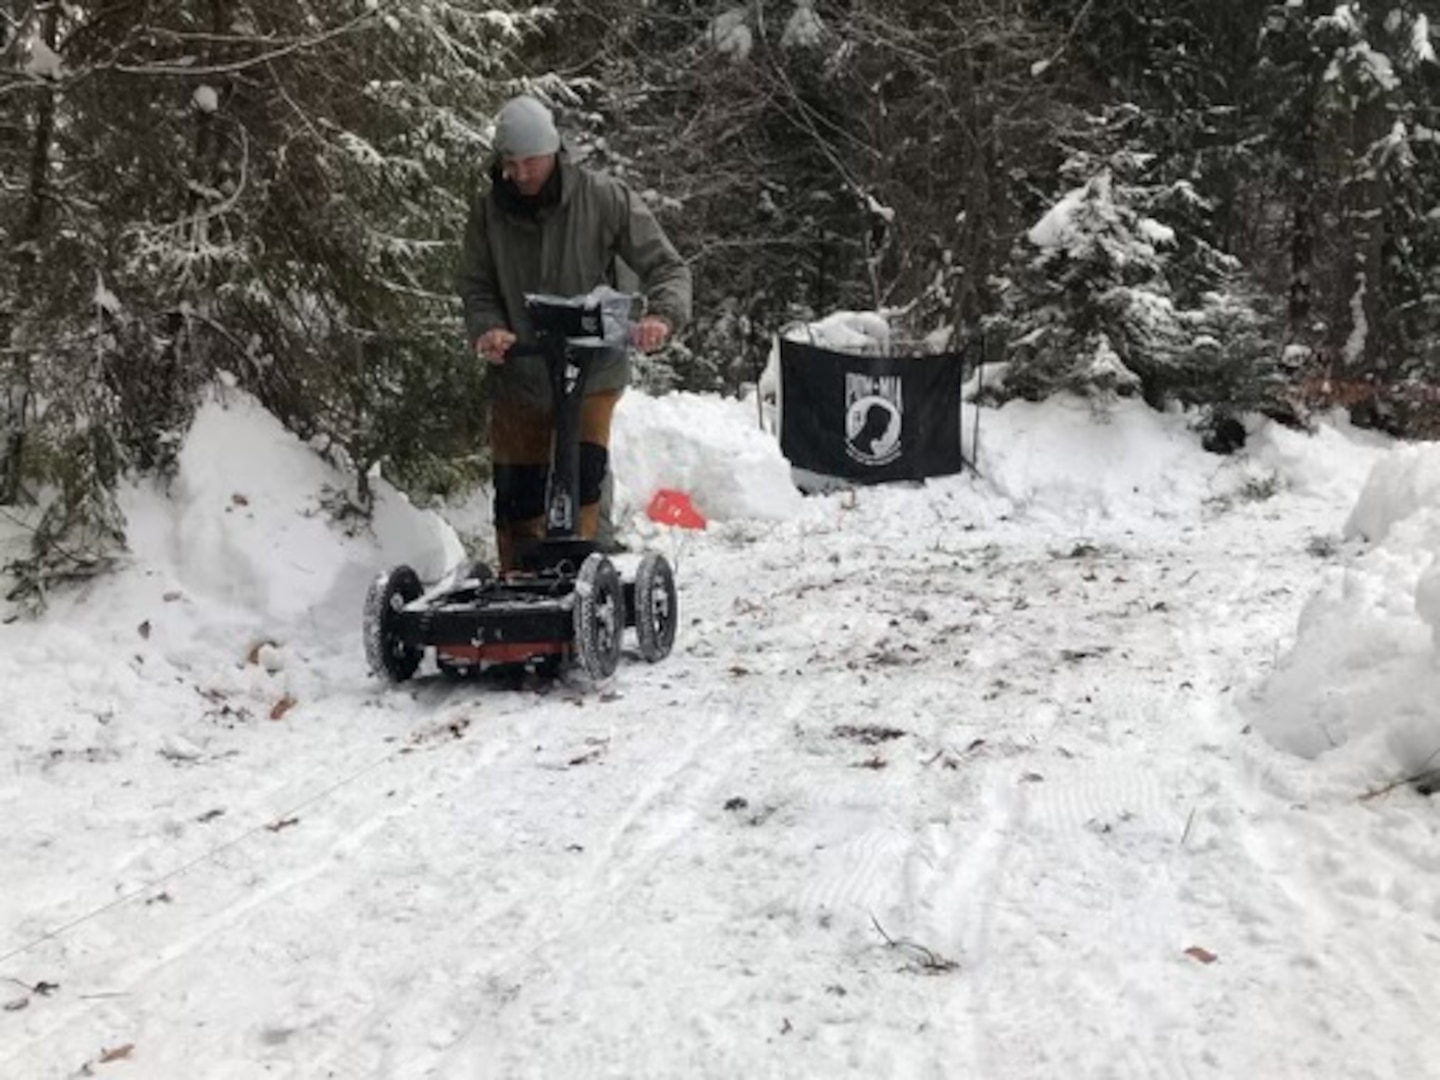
(924, 791)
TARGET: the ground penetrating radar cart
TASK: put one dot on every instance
(567, 602)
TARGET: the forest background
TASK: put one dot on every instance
(272, 192)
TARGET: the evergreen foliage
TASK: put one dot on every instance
(1355, 153)
(272, 188)
(1118, 290)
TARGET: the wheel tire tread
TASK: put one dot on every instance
(385, 654)
(655, 631)
(598, 591)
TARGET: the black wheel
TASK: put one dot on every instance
(385, 651)
(481, 574)
(656, 612)
(599, 617)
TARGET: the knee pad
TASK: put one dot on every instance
(519, 492)
(594, 460)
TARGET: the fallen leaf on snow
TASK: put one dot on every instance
(1085, 653)
(144, 629)
(1205, 956)
(283, 823)
(869, 734)
(119, 1053)
(284, 705)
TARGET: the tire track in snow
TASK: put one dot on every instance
(256, 896)
(994, 886)
(515, 956)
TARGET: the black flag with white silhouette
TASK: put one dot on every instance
(870, 419)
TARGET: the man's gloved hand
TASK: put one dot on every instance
(494, 344)
(649, 333)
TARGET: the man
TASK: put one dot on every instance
(546, 225)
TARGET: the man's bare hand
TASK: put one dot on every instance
(649, 333)
(494, 344)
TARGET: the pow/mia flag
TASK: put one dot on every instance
(870, 419)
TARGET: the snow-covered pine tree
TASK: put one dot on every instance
(1188, 66)
(1380, 92)
(59, 457)
(1115, 291)
(1087, 294)
(1351, 96)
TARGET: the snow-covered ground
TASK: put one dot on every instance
(1082, 768)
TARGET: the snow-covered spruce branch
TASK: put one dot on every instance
(199, 37)
(401, 289)
(303, 116)
(391, 243)
(175, 228)
(1069, 36)
(191, 70)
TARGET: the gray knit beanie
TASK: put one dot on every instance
(525, 129)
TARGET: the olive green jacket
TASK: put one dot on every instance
(569, 249)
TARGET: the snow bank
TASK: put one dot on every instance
(1359, 685)
(238, 584)
(1332, 462)
(245, 578)
(1404, 487)
(710, 447)
(245, 524)
(1055, 461)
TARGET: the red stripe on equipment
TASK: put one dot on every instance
(501, 652)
